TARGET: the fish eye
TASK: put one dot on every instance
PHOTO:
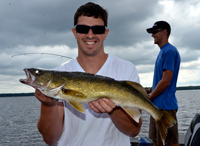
(37, 72)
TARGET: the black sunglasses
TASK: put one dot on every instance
(156, 31)
(97, 29)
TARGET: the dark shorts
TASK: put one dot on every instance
(172, 133)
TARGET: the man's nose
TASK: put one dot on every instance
(90, 33)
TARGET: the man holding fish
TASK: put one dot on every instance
(103, 123)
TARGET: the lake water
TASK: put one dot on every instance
(19, 116)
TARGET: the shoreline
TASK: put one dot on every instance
(32, 94)
(15, 94)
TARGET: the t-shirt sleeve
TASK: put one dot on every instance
(169, 60)
(133, 74)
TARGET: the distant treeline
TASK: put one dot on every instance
(184, 88)
(16, 94)
(32, 94)
(188, 88)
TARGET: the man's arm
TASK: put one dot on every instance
(50, 123)
(162, 85)
(119, 117)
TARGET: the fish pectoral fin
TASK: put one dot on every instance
(133, 112)
(78, 106)
(138, 87)
(52, 92)
(73, 93)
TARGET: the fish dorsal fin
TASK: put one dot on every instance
(138, 87)
(90, 75)
(133, 112)
(78, 106)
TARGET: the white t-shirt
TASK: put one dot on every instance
(94, 129)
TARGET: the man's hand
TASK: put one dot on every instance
(45, 99)
(102, 105)
(119, 117)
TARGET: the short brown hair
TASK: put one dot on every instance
(91, 10)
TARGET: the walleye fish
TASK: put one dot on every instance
(79, 87)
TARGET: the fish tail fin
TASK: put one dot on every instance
(165, 122)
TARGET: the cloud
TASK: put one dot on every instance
(37, 23)
(45, 27)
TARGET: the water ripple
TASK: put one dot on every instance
(19, 116)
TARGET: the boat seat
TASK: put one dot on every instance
(192, 137)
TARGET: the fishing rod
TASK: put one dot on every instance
(42, 54)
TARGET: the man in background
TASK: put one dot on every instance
(164, 82)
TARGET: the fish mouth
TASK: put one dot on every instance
(29, 78)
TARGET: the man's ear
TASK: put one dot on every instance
(106, 33)
(165, 31)
(74, 32)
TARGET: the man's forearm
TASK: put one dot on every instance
(162, 85)
(160, 88)
(125, 123)
(49, 124)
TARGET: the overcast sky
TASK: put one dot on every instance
(44, 26)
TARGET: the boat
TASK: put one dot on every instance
(191, 138)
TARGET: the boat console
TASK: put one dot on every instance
(192, 137)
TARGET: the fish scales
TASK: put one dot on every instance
(95, 89)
